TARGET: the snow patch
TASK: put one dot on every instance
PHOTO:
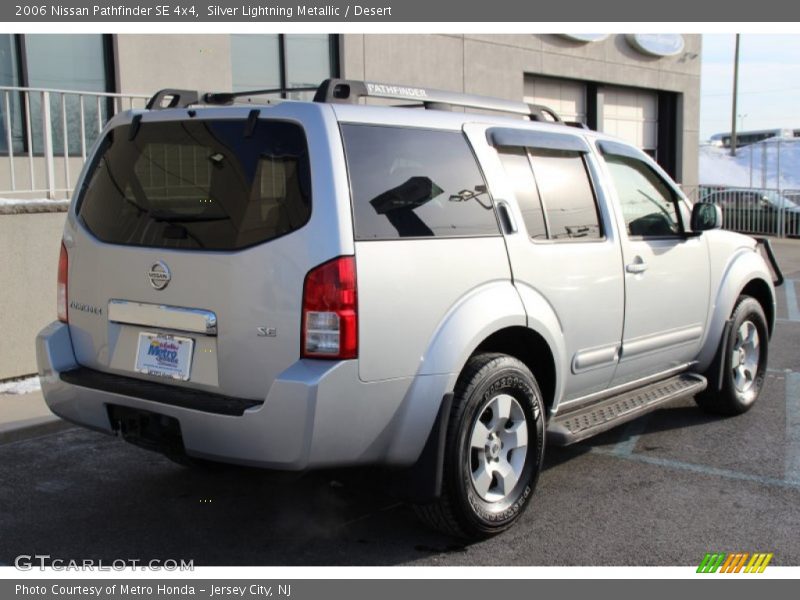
(756, 165)
(18, 206)
(21, 386)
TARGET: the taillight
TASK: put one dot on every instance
(330, 310)
(61, 290)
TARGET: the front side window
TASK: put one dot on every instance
(408, 182)
(202, 184)
(649, 205)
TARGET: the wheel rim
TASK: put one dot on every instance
(498, 448)
(745, 359)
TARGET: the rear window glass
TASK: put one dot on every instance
(518, 168)
(409, 182)
(198, 184)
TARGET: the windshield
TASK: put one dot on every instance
(204, 184)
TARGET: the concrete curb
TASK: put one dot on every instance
(25, 416)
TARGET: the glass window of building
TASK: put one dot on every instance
(64, 65)
(255, 62)
(282, 62)
(67, 62)
(10, 114)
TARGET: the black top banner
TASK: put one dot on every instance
(440, 11)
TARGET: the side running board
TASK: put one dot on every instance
(583, 422)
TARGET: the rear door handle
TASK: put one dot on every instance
(637, 266)
(509, 226)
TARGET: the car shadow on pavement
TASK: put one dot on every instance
(78, 494)
(681, 416)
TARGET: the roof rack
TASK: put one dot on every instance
(347, 91)
(172, 98)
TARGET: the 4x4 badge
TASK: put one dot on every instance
(159, 275)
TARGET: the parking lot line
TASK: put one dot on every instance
(630, 436)
(792, 442)
(700, 469)
(791, 300)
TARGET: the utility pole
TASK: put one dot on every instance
(735, 95)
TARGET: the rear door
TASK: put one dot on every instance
(194, 234)
(566, 249)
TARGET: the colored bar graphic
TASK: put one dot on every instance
(758, 563)
(730, 562)
(741, 562)
(734, 562)
(711, 562)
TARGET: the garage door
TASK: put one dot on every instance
(567, 98)
(632, 115)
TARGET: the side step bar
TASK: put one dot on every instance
(583, 422)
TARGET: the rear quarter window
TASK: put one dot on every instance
(415, 183)
(198, 184)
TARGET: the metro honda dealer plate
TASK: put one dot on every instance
(164, 355)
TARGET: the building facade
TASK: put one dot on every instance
(644, 89)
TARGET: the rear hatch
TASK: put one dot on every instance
(192, 240)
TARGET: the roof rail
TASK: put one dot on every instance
(346, 91)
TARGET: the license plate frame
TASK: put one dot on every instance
(164, 355)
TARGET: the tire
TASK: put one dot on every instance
(744, 355)
(483, 455)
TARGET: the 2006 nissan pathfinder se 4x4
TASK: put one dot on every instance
(299, 285)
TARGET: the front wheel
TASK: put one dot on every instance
(494, 451)
(745, 354)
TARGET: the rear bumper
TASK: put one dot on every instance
(316, 413)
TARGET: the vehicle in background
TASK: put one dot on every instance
(753, 210)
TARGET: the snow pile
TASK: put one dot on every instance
(17, 206)
(719, 168)
(20, 386)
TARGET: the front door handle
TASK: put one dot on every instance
(637, 266)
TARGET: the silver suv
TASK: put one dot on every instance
(303, 285)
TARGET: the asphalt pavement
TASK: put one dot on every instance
(662, 490)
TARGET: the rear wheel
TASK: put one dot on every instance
(745, 354)
(494, 451)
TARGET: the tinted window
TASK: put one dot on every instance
(415, 183)
(648, 204)
(567, 194)
(518, 168)
(198, 184)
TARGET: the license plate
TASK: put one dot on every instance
(164, 355)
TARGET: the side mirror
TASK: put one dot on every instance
(705, 216)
